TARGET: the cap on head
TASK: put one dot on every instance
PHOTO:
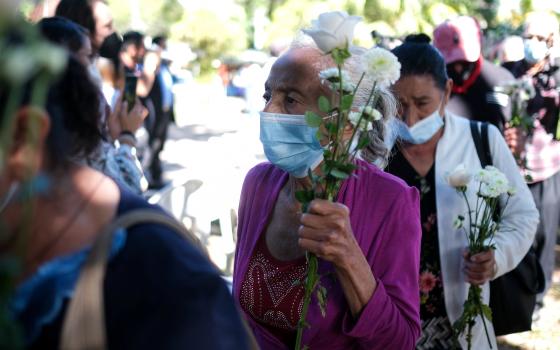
(458, 39)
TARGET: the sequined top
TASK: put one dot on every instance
(385, 219)
(272, 292)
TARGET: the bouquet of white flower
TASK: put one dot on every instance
(484, 221)
(333, 33)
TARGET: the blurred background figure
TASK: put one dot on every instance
(115, 155)
(161, 97)
(511, 51)
(474, 78)
(93, 15)
(542, 146)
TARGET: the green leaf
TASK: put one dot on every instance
(322, 300)
(304, 196)
(346, 102)
(364, 141)
(339, 174)
(313, 120)
(487, 312)
(324, 104)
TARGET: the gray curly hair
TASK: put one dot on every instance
(376, 151)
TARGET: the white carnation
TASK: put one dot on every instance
(382, 66)
(354, 117)
(52, 58)
(19, 65)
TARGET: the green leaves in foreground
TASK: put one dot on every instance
(313, 120)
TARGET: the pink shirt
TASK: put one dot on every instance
(385, 219)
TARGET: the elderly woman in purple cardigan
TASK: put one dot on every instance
(368, 241)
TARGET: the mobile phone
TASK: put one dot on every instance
(130, 90)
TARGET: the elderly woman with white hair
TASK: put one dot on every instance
(367, 241)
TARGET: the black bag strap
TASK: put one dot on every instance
(479, 132)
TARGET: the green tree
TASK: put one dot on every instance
(212, 34)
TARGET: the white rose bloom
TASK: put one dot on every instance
(333, 30)
(459, 177)
(512, 191)
(354, 117)
(381, 65)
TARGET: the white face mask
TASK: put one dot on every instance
(422, 131)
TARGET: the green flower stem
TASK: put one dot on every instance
(361, 115)
(310, 283)
(14, 99)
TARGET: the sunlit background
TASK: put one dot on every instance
(221, 52)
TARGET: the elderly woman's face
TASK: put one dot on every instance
(293, 85)
(419, 97)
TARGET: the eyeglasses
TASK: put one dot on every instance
(531, 37)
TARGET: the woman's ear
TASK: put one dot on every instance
(448, 90)
(27, 144)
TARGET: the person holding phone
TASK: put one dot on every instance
(116, 155)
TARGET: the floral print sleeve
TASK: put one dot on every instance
(436, 328)
(121, 164)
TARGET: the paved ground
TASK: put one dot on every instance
(546, 331)
(214, 144)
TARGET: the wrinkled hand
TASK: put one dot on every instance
(515, 139)
(479, 268)
(326, 231)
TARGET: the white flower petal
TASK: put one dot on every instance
(331, 20)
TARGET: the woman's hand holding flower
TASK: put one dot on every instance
(479, 268)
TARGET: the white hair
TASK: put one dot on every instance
(376, 151)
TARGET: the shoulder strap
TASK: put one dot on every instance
(481, 142)
(486, 145)
(84, 323)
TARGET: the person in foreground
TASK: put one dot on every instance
(434, 143)
(367, 241)
(160, 291)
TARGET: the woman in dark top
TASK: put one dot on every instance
(160, 292)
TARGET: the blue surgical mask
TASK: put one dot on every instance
(19, 192)
(422, 131)
(289, 143)
(535, 50)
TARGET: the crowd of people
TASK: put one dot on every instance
(396, 271)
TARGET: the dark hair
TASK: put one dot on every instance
(62, 31)
(73, 106)
(132, 38)
(159, 39)
(418, 57)
(79, 11)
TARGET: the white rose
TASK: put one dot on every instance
(382, 66)
(333, 30)
(460, 177)
(512, 191)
